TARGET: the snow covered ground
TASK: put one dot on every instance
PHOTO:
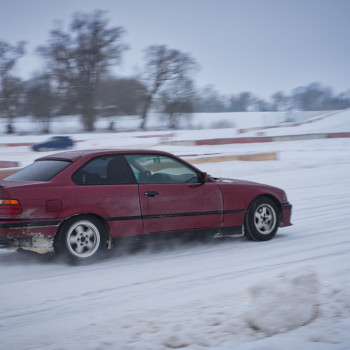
(289, 293)
(237, 120)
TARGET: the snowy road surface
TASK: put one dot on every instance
(288, 293)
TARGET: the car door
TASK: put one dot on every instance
(107, 187)
(62, 143)
(56, 143)
(172, 198)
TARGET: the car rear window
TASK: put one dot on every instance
(43, 170)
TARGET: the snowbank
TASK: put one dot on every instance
(283, 305)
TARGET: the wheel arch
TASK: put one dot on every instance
(255, 227)
(268, 195)
(98, 217)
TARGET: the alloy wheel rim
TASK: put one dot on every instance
(83, 239)
(265, 219)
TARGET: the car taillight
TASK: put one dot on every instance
(10, 206)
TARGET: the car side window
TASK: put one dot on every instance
(105, 170)
(159, 169)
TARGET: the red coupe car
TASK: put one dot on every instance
(76, 203)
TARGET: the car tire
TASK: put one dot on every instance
(81, 239)
(262, 219)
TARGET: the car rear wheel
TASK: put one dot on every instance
(262, 219)
(81, 239)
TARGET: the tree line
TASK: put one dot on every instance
(76, 80)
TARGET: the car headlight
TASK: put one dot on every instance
(285, 197)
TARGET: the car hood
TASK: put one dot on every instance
(267, 189)
(222, 180)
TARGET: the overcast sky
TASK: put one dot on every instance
(261, 46)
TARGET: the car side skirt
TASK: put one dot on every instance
(186, 235)
(43, 244)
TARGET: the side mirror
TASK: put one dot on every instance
(203, 178)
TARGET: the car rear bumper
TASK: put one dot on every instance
(33, 235)
(6, 243)
(37, 244)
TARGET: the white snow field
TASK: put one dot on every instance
(292, 292)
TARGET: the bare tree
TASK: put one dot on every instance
(11, 99)
(40, 99)
(210, 100)
(242, 102)
(279, 101)
(9, 85)
(121, 96)
(177, 100)
(162, 65)
(312, 97)
(78, 58)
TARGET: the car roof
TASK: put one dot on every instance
(75, 155)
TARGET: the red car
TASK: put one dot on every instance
(78, 202)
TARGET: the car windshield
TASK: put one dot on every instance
(43, 170)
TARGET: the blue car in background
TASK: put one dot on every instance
(54, 143)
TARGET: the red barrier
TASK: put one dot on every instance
(18, 144)
(233, 140)
(271, 138)
(335, 135)
(8, 164)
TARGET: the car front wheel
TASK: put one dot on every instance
(81, 239)
(262, 219)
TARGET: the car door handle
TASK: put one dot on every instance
(151, 193)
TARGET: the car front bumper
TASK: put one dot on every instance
(286, 214)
